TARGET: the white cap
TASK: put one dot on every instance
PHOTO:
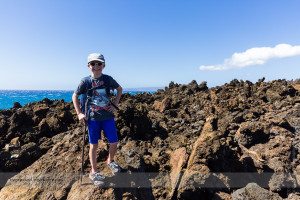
(96, 57)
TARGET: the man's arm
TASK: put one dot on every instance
(118, 95)
(80, 115)
(111, 108)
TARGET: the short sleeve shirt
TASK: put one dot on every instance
(99, 102)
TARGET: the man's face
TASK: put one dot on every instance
(96, 66)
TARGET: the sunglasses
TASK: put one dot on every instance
(94, 64)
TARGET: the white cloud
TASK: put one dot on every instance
(255, 56)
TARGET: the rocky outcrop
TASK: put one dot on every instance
(27, 133)
(236, 141)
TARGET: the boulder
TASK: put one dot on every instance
(254, 191)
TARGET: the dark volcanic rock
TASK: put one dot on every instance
(17, 105)
(253, 191)
(236, 141)
(30, 123)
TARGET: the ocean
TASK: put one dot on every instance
(8, 97)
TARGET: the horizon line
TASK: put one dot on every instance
(124, 89)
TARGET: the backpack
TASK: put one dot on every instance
(84, 100)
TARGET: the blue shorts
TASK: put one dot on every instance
(109, 128)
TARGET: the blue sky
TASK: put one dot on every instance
(147, 43)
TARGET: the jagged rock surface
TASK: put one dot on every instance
(183, 142)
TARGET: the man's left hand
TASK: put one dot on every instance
(111, 108)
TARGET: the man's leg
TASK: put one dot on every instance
(112, 151)
(114, 167)
(94, 136)
(95, 176)
(93, 156)
(109, 128)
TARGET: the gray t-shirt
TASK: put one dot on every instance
(99, 102)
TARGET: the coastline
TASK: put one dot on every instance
(9, 97)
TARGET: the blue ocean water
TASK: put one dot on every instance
(8, 97)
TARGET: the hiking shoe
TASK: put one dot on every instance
(114, 167)
(97, 178)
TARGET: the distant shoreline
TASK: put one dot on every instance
(141, 89)
(9, 97)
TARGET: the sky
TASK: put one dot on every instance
(147, 43)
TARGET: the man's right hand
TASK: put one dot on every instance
(82, 118)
